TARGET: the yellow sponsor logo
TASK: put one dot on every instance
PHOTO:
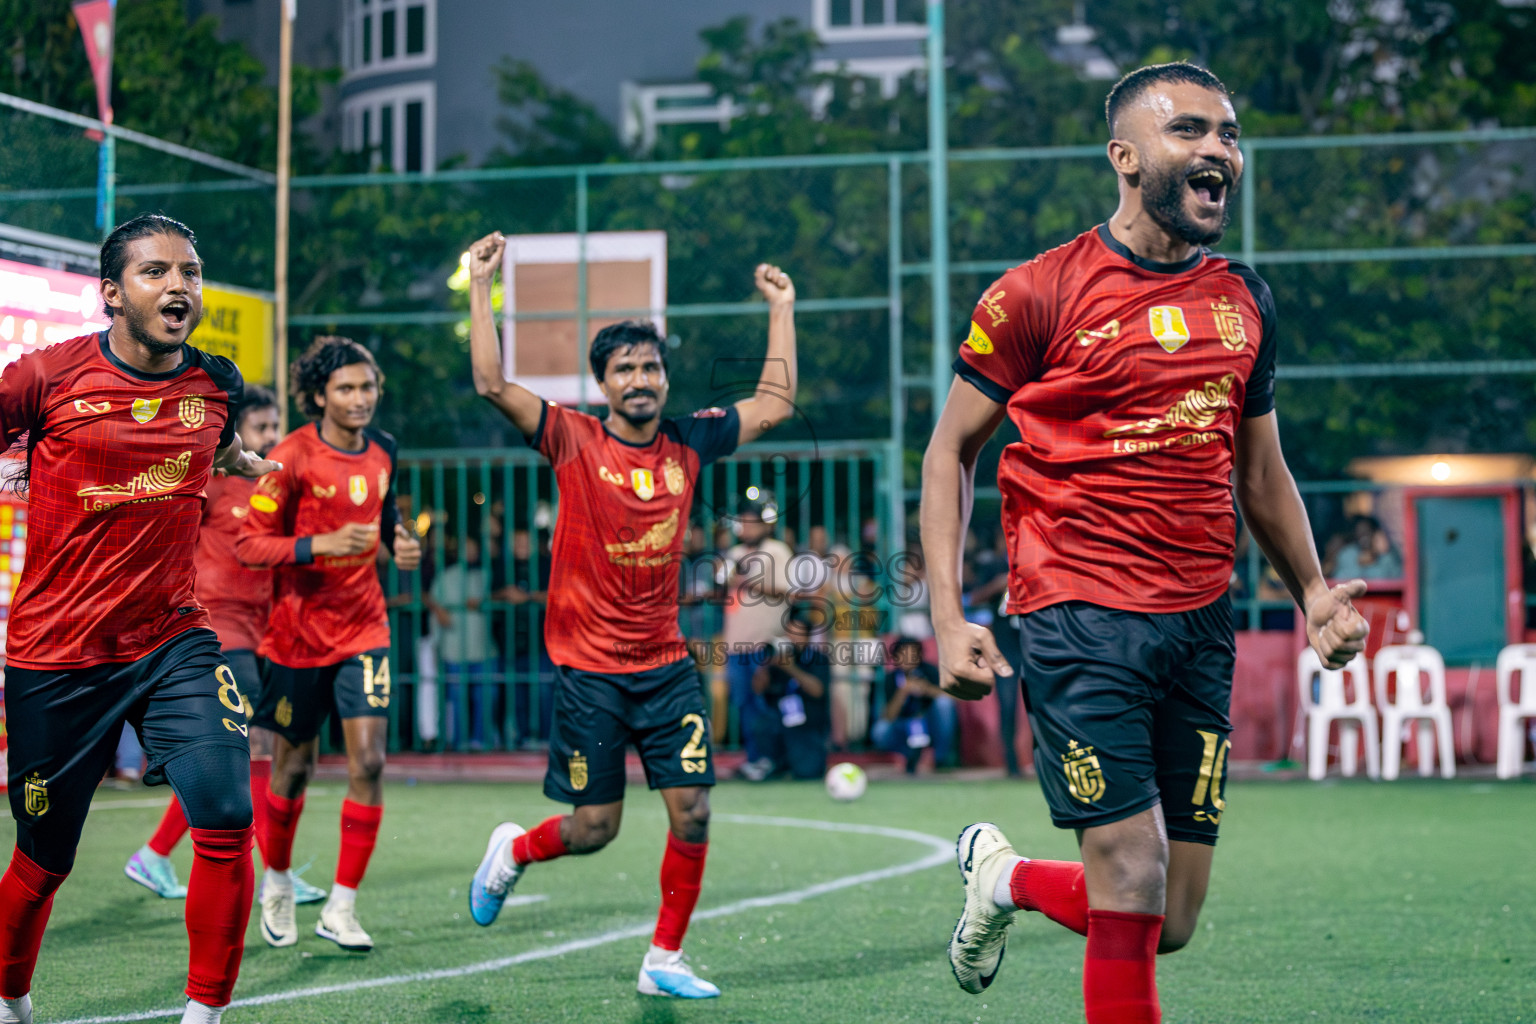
(1109, 332)
(158, 479)
(978, 341)
(658, 538)
(578, 768)
(608, 476)
(239, 512)
(1229, 323)
(1168, 327)
(36, 790)
(644, 483)
(262, 503)
(1199, 408)
(1085, 779)
(322, 492)
(992, 302)
(144, 409)
(357, 489)
(95, 408)
(190, 410)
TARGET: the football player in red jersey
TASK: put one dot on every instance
(623, 671)
(1138, 367)
(238, 600)
(318, 522)
(123, 429)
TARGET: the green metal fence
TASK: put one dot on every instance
(469, 669)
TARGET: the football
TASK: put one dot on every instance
(846, 781)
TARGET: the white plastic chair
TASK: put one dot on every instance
(1516, 658)
(1333, 703)
(1410, 662)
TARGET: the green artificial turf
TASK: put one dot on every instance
(1402, 902)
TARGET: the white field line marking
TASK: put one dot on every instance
(941, 851)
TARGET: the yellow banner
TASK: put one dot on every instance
(238, 324)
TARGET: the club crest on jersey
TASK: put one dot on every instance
(674, 476)
(1167, 325)
(357, 489)
(145, 409)
(644, 483)
(284, 713)
(578, 766)
(978, 341)
(1229, 323)
(36, 789)
(1085, 779)
(97, 408)
(190, 411)
(322, 492)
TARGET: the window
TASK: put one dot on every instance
(850, 20)
(396, 123)
(887, 71)
(387, 35)
(644, 107)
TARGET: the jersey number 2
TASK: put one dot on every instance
(695, 755)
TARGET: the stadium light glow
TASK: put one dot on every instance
(1440, 471)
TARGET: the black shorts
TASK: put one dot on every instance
(295, 702)
(1130, 710)
(247, 669)
(64, 724)
(597, 714)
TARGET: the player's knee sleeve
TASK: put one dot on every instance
(213, 784)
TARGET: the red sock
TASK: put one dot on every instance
(682, 871)
(1120, 971)
(282, 822)
(1054, 888)
(542, 842)
(359, 834)
(173, 825)
(218, 908)
(26, 898)
(261, 782)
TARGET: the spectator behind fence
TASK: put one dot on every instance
(793, 732)
(757, 578)
(420, 633)
(917, 714)
(519, 630)
(1368, 554)
(460, 591)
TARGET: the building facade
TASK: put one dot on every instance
(418, 76)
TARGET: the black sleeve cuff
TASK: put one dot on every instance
(986, 385)
(303, 551)
(538, 432)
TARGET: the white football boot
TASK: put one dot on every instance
(981, 935)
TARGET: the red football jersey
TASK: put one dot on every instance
(1127, 380)
(118, 460)
(238, 598)
(619, 536)
(327, 609)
